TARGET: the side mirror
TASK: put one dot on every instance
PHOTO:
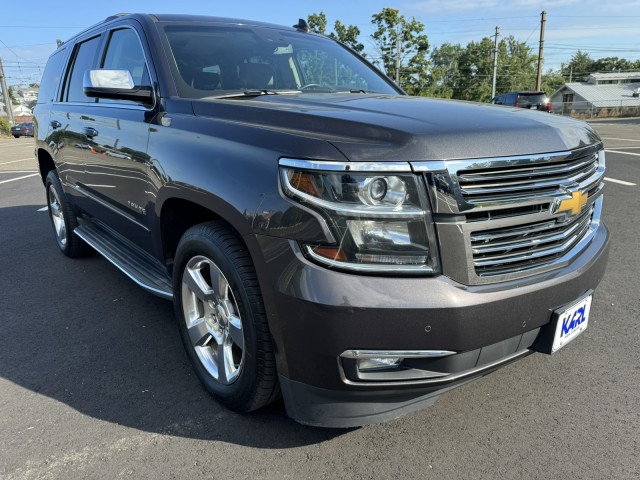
(116, 85)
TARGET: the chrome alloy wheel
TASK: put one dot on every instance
(213, 319)
(57, 216)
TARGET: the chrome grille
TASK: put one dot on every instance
(524, 247)
(525, 180)
(499, 218)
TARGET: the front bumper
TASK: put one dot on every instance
(317, 314)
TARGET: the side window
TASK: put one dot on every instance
(124, 52)
(83, 61)
(51, 77)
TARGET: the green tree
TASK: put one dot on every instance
(12, 95)
(612, 64)
(317, 22)
(580, 66)
(552, 81)
(347, 34)
(516, 69)
(444, 74)
(402, 47)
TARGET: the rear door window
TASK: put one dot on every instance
(51, 77)
(85, 56)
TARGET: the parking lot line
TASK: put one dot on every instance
(19, 178)
(17, 171)
(16, 161)
(621, 182)
(624, 139)
(623, 153)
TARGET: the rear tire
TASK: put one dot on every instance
(222, 319)
(63, 218)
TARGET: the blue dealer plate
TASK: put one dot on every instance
(571, 322)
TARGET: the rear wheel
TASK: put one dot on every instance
(222, 320)
(63, 218)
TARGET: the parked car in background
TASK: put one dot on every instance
(323, 235)
(22, 130)
(530, 100)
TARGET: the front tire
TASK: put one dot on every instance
(222, 319)
(63, 218)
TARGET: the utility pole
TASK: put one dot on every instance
(5, 94)
(398, 55)
(495, 62)
(541, 50)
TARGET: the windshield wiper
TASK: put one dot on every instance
(257, 93)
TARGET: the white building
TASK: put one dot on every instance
(599, 91)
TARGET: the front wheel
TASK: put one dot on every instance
(222, 319)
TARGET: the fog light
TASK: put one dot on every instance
(377, 363)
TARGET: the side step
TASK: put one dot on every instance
(138, 265)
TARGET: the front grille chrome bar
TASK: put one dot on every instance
(499, 219)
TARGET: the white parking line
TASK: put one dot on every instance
(624, 139)
(19, 178)
(17, 171)
(621, 182)
(624, 153)
(16, 161)
(43, 209)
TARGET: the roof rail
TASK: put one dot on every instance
(113, 17)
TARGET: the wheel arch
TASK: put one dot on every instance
(45, 163)
(179, 212)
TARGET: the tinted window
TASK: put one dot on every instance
(84, 60)
(527, 99)
(125, 53)
(210, 58)
(51, 77)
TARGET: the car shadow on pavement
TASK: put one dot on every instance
(80, 332)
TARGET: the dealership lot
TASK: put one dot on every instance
(94, 381)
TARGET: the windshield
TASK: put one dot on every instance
(215, 60)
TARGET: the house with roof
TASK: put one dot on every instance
(600, 94)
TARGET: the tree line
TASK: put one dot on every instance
(402, 51)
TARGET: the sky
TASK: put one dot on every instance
(28, 30)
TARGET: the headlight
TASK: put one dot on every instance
(381, 220)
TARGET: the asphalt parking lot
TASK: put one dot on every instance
(94, 381)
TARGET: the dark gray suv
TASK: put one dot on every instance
(323, 236)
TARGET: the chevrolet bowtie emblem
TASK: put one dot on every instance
(574, 204)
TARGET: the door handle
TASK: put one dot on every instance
(90, 132)
(55, 124)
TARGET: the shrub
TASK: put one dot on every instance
(5, 128)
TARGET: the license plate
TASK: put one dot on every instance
(571, 322)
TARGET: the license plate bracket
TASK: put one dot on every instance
(567, 323)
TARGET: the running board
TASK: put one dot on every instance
(138, 265)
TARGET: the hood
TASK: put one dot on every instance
(367, 127)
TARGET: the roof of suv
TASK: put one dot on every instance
(174, 17)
